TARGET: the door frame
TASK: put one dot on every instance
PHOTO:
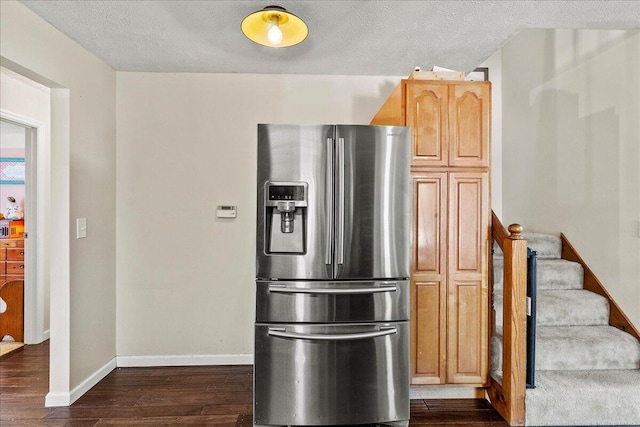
(34, 298)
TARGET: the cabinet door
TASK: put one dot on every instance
(469, 124)
(428, 279)
(468, 317)
(426, 104)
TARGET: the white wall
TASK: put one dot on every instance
(32, 101)
(494, 63)
(571, 147)
(82, 185)
(186, 143)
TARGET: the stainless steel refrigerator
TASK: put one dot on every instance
(332, 268)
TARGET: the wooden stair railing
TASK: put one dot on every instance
(509, 397)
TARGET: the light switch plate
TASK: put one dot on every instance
(81, 228)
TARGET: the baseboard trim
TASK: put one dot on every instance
(184, 360)
(66, 399)
(432, 392)
(53, 399)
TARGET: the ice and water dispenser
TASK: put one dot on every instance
(286, 217)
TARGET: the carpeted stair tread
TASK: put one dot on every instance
(577, 348)
(583, 398)
(552, 274)
(547, 246)
(585, 347)
(576, 307)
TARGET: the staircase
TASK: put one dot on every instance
(587, 372)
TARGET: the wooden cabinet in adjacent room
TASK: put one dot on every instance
(450, 123)
(11, 250)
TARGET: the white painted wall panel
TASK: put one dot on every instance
(571, 146)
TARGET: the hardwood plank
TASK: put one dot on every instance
(169, 396)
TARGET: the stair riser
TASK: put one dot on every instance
(551, 274)
(564, 308)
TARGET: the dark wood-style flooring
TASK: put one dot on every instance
(169, 396)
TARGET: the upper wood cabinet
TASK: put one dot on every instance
(427, 114)
(450, 120)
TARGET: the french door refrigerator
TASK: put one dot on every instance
(332, 268)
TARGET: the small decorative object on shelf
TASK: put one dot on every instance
(13, 210)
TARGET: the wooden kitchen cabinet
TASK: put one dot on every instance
(450, 123)
(467, 285)
(429, 278)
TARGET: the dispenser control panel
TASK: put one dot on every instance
(287, 192)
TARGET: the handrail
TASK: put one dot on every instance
(509, 397)
(498, 231)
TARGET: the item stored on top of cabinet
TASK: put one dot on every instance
(450, 134)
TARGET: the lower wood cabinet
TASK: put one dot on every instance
(449, 285)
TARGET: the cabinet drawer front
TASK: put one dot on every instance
(15, 254)
(3, 254)
(11, 243)
(15, 267)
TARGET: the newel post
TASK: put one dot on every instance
(515, 323)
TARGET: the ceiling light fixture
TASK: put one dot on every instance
(273, 26)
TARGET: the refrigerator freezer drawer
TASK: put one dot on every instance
(327, 374)
(318, 302)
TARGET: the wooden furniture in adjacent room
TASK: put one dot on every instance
(12, 278)
(450, 122)
(11, 250)
(12, 320)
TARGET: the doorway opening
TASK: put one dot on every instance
(19, 289)
(25, 117)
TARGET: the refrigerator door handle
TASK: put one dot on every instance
(340, 202)
(282, 333)
(283, 289)
(329, 205)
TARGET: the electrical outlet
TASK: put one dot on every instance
(81, 228)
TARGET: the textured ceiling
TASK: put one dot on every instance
(345, 37)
